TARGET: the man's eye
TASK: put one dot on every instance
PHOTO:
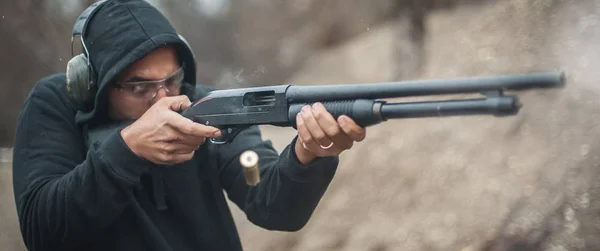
(171, 83)
(138, 89)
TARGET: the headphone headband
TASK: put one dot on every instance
(81, 23)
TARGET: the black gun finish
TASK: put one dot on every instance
(242, 107)
(425, 87)
(235, 109)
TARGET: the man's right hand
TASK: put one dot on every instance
(163, 136)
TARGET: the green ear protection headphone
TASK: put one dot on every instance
(80, 74)
(81, 77)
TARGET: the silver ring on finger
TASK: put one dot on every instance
(304, 145)
(326, 147)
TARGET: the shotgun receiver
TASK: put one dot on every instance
(233, 110)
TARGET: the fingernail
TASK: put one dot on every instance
(305, 108)
(342, 121)
(217, 134)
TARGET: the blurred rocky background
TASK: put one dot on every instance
(528, 182)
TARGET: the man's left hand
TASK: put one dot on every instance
(320, 135)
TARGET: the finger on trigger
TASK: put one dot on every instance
(192, 140)
(189, 140)
(188, 127)
(355, 132)
(313, 127)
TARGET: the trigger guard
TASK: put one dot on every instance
(215, 142)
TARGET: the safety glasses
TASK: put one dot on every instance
(149, 89)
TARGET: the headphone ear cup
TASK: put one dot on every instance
(78, 81)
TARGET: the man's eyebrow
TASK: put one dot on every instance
(137, 79)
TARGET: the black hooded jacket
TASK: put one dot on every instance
(71, 195)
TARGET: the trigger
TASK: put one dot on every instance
(227, 136)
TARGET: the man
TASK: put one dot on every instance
(156, 184)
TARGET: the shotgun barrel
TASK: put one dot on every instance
(382, 90)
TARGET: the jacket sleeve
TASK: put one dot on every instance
(64, 195)
(288, 192)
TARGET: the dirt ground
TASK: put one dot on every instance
(527, 182)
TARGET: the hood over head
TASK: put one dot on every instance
(119, 34)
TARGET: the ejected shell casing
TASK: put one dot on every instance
(249, 160)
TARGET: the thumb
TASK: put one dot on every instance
(179, 103)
